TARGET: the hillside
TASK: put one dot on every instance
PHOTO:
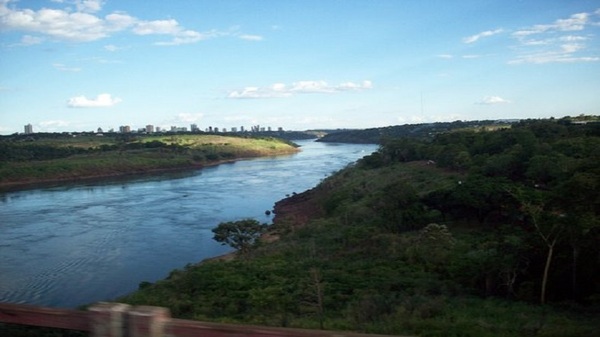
(427, 131)
(488, 233)
(42, 158)
(416, 131)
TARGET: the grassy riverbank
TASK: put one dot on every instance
(50, 158)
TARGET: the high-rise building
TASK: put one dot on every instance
(28, 129)
(150, 128)
(124, 129)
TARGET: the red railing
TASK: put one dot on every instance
(122, 320)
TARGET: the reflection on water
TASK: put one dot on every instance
(74, 244)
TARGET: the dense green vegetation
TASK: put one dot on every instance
(53, 157)
(416, 131)
(471, 233)
(427, 130)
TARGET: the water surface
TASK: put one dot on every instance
(76, 244)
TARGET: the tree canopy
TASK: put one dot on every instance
(240, 234)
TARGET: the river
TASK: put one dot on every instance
(76, 244)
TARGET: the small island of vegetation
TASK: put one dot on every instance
(29, 160)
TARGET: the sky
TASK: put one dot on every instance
(80, 65)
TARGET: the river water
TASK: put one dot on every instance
(81, 243)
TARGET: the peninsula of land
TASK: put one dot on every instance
(32, 160)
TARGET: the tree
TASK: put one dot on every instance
(432, 247)
(578, 197)
(545, 225)
(240, 234)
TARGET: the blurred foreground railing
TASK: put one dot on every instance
(122, 320)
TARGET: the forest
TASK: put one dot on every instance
(468, 233)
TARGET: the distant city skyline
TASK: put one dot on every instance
(75, 65)
(149, 128)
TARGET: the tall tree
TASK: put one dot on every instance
(545, 225)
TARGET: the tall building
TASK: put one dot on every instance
(150, 128)
(124, 129)
(28, 129)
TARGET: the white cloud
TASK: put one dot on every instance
(570, 48)
(116, 22)
(102, 100)
(575, 22)
(111, 47)
(309, 87)
(445, 56)
(278, 90)
(492, 100)
(184, 37)
(89, 6)
(476, 37)
(62, 67)
(79, 22)
(552, 57)
(555, 42)
(60, 24)
(274, 91)
(573, 38)
(249, 37)
(157, 27)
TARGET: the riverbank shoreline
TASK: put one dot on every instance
(292, 212)
(16, 186)
(50, 161)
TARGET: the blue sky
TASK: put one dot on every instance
(76, 65)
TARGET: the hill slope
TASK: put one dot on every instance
(450, 237)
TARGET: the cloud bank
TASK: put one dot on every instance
(101, 101)
(79, 22)
(492, 100)
(302, 87)
(477, 37)
(562, 41)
